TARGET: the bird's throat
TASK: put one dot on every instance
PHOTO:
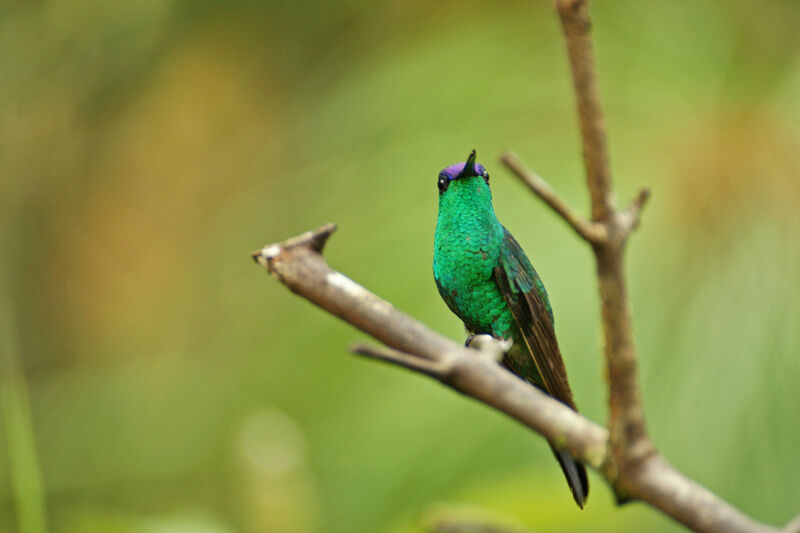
(466, 208)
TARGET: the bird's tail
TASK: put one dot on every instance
(575, 473)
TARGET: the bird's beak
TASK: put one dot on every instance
(469, 166)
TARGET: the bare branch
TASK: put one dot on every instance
(628, 219)
(299, 265)
(440, 370)
(575, 21)
(315, 240)
(640, 471)
(630, 443)
(593, 232)
(658, 483)
(793, 526)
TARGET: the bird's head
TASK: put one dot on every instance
(464, 188)
(468, 174)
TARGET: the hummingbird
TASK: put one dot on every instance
(485, 278)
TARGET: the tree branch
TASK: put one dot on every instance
(630, 442)
(575, 22)
(298, 263)
(590, 231)
(793, 526)
(629, 217)
(635, 468)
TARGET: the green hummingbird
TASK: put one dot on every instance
(486, 279)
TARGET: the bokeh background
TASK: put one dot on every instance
(155, 380)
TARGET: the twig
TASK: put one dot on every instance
(575, 22)
(629, 217)
(298, 260)
(590, 231)
(440, 370)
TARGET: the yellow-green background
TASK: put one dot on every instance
(170, 386)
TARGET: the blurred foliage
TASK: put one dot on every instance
(147, 147)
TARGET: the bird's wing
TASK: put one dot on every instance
(525, 295)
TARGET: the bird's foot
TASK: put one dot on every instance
(490, 346)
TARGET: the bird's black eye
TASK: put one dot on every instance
(443, 183)
(486, 177)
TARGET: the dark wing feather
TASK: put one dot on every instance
(525, 296)
(524, 293)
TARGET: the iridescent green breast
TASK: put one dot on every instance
(466, 249)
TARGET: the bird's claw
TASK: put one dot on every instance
(490, 346)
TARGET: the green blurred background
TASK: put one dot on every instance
(155, 380)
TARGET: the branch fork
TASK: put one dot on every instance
(595, 232)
